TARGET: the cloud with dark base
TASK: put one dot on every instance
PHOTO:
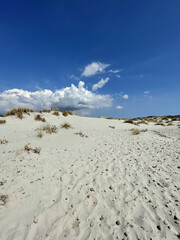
(69, 98)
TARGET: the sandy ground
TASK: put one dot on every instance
(109, 185)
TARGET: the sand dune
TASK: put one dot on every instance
(105, 184)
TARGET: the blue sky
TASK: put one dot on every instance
(130, 48)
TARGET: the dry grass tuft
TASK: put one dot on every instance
(48, 128)
(2, 121)
(160, 123)
(66, 125)
(129, 121)
(56, 112)
(45, 111)
(3, 141)
(170, 124)
(113, 127)
(18, 112)
(66, 113)
(3, 199)
(40, 134)
(81, 134)
(27, 148)
(39, 118)
(136, 131)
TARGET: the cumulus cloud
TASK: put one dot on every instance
(74, 77)
(119, 107)
(125, 96)
(100, 84)
(94, 68)
(69, 98)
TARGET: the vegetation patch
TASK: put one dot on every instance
(38, 117)
(2, 121)
(3, 141)
(136, 131)
(66, 113)
(129, 121)
(3, 199)
(113, 127)
(18, 112)
(40, 134)
(48, 128)
(56, 112)
(81, 134)
(45, 111)
(160, 123)
(27, 148)
(66, 125)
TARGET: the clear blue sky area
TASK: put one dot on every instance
(135, 46)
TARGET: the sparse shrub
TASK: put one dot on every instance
(160, 123)
(40, 134)
(49, 128)
(81, 134)
(3, 199)
(129, 121)
(113, 127)
(144, 130)
(2, 121)
(135, 131)
(170, 124)
(66, 113)
(66, 125)
(46, 111)
(19, 112)
(27, 148)
(56, 112)
(3, 141)
(39, 118)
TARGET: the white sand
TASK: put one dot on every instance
(114, 175)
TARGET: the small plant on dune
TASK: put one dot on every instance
(113, 127)
(18, 112)
(39, 134)
(81, 134)
(66, 113)
(135, 131)
(2, 121)
(38, 117)
(129, 121)
(27, 148)
(160, 123)
(56, 112)
(3, 141)
(170, 124)
(3, 199)
(45, 111)
(66, 125)
(49, 128)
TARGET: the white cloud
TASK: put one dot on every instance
(94, 68)
(119, 107)
(100, 84)
(74, 77)
(146, 92)
(118, 75)
(125, 96)
(115, 71)
(72, 98)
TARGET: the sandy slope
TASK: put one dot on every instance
(111, 185)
